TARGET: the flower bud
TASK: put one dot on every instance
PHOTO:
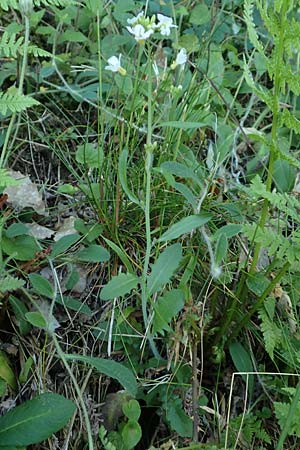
(26, 7)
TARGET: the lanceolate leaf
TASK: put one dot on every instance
(166, 308)
(121, 254)
(112, 369)
(6, 372)
(123, 177)
(184, 226)
(35, 420)
(164, 267)
(41, 285)
(242, 361)
(93, 253)
(120, 285)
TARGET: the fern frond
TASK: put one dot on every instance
(290, 121)
(248, 16)
(58, 3)
(7, 4)
(271, 332)
(14, 4)
(14, 102)
(291, 79)
(10, 45)
(262, 93)
(38, 52)
(285, 203)
(270, 19)
(292, 37)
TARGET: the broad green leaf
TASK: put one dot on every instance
(257, 283)
(89, 155)
(41, 285)
(178, 169)
(186, 193)
(124, 83)
(190, 42)
(200, 15)
(16, 229)
(23, 377)
(284, 175)
(36, 319)
(229, 230)
(164, 268)
(72, 279)
(131, 434)
(63, 244)
(221, 249)
(123, 177)
(75, 305)
(22, 248)
(35, 420)
(183, 125)
(178, 419)
(166, 308)
(93, 253)
(90, 232)
(6, 372)
(68, 189)
(132, 409)
(188, 271)
(96, 6)
(184, 226)
(112, 369)
(3, 387)
(121, 254)
(20, 309)
(242, 362)
(13, 448)
(72, 36)
(182, 188)
(119, 285)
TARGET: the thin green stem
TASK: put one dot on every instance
(135, 88)
(148, 169)
(78, 391)
(148, 166)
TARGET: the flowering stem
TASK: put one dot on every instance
(148, 167)
(135, 87)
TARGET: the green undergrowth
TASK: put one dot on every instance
(149, 223)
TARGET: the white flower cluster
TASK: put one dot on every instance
(143, 27)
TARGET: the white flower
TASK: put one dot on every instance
(135, 19)
(114, 65)
(139, 32)
(165, 24)
(181, 59)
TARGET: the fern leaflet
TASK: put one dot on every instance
(15, 102)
